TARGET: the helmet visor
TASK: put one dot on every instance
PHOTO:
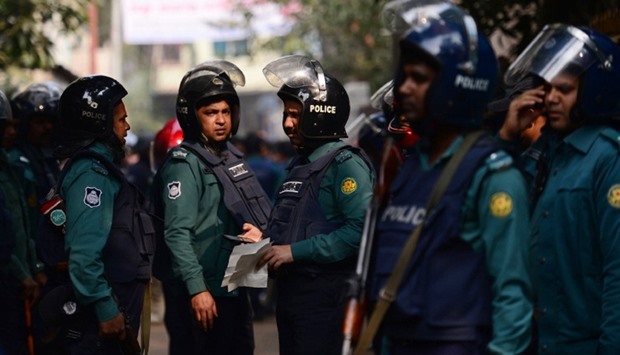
(558, 48)
(294, 71)
(431, 18)
(215, 68)
(383, 96)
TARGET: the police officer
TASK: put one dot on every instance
(205, 191)
(7, 237)
(21, 279)
(109, 237)
(36, 111)
(575, 234)
(319, 211)
(466, 289)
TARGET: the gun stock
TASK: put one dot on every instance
(130, 345)
(355, 311)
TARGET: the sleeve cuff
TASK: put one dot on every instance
(195, 286)
(301, 250)
(106, 309)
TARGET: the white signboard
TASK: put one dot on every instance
(188, 21)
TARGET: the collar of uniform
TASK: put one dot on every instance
(324, 149)
(424, 164)
(102, 149)
(583, 137)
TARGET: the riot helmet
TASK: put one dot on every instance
(5, 114)
(579, 51)
(38, 99)
(324, 100)
(445, 37)
(206, 83)
(86, 114)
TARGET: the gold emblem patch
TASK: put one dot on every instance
(500, 204)
(348, 186)
(613, 196)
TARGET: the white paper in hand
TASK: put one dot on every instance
(241, 270)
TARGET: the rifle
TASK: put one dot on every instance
(129, 345)
(355, 310)
(28, 316)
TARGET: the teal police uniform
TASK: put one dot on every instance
(494, 223)
(22, 265)
(196, 219)
(310, 292)
(195, 223)
(345, 193)
(89, 191)
(575, 245)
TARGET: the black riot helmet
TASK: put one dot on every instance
(324, 100)
(86, 114)
(37, 99)
(206, 83)
(5, 114)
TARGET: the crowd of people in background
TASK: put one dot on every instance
(491, 208)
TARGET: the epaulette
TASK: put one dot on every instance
(98, 167)
(343, 156)
(612, 135)
(179, 153)
(499, 160)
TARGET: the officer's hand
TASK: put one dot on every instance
(30, 289)
(522, 111)
(251, 233)
(276, 256)
(205, 310)
(40, 278)
(113, 328)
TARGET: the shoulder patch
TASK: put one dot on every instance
(613, 196)
(499, 160)
(174, 190)
(348, 185)
(92, 197)
(500, 204)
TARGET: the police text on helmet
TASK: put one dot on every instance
(95, 115)
(323, 109)
(470, 83)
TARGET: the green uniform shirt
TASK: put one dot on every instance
(23, 167)
(89, 192)
(195, 219)
(495, 221)
(576, 243)
(23, 263)
(345, 194)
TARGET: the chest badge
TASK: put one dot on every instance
(92, 197)
(174, 190)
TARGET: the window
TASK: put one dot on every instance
(230, 48)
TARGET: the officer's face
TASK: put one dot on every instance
(292, 114)
(418, 76)
(216, 121)
(10, 133)
(560, 100)
(121, 126)
(40, 129)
